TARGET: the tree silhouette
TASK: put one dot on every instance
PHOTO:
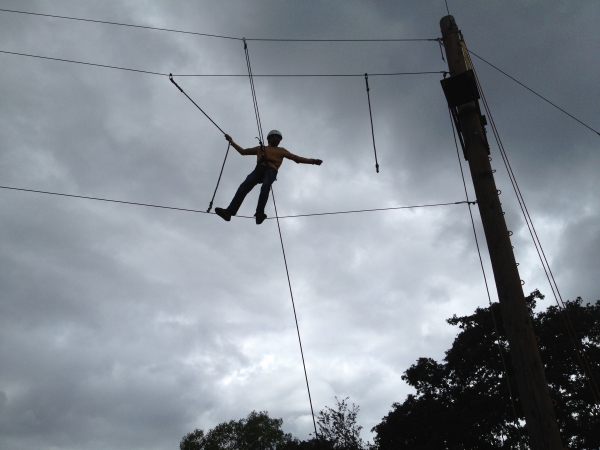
(464, 402)
(256, 432)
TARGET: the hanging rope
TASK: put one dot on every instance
(287, 272)
(371, 117)
(219, 180)
(260, 134)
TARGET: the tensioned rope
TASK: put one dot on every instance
(487, 288)
(210, 205)
(190, 99)
(151, 205)
(532, 91)
(254, 99)
(105, 22)
(576, 342)
(260, 137)
(290, 75)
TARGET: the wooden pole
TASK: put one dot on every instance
(531, 379)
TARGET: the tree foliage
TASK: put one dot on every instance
(338, 430)
(256, 432)
(338, 427)
(464, 403)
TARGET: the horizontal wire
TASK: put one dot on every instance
(72, 61)
(219, 75)
(209, 35)
(84, 63)
(317, 75)
(342, 40)
(119, 24)
(532, 91)
(151, 205)
(371, 210)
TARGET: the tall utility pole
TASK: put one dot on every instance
(461, 92)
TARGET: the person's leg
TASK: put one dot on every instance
(248, 184)
(269, 177)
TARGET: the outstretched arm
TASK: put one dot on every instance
(241, 150)
(300, 160)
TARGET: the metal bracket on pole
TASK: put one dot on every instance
(459, 90)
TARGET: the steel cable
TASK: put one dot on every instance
(151, 205)
(576, 342)
(106, 22)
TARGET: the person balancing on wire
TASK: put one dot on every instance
(269, 159)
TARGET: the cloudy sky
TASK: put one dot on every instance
(125, 327)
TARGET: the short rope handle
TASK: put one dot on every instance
(371, 117)
(219, 180)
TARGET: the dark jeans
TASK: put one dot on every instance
(261, 174)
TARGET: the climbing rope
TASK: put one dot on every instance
(263, 152)
(260, 134)
(371, 117)
(254, 99)
(287, 272)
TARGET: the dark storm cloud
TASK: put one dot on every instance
(126, 327)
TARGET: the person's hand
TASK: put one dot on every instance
(228, 138)
(317, 162)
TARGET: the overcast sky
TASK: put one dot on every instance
(125, 327)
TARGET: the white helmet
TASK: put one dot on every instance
(274, 132)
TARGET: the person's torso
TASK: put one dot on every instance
(274, 156)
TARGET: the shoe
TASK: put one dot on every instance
(223, 213)
(260, 218)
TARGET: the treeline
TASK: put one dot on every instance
(463, 402)
(338, 429)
